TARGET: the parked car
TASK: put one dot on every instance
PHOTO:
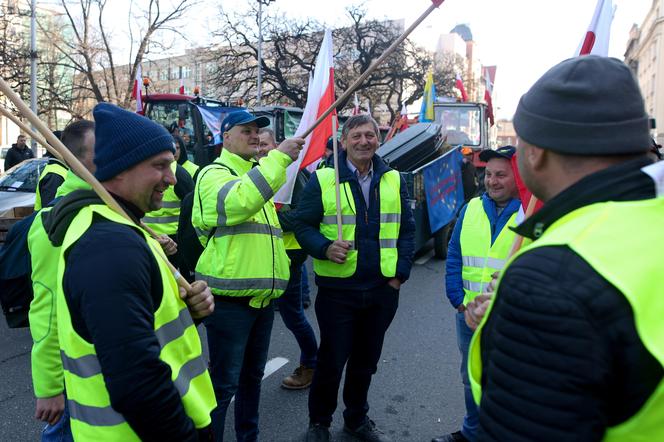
(18, 185)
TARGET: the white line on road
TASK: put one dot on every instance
(424, 258)
(273, 365)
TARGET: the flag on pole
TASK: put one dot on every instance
(136, 91)
(356, 105)
(320, 97)
(404, 117)
(459, 85)
(426, 111)
(489, 73)
(596, 40)
(524, 193)
(181, 90)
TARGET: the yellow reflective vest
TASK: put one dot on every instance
(390, 222)
(631, 263)
(55, 167)
(190, 167)
(92, 416)
(245, 255)
(480, 258)
(165, 220)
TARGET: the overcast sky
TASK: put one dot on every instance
(523, 38)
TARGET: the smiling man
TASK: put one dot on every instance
(358, 275)
(480, 245)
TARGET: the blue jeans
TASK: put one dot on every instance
(471, 419)
(238, 339)
(292, 312)
(61, 431)
(305, 284)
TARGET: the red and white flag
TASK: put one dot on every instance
(181, 90)
(524, 194)
(136, 91)
(320, 97)
(596, 40)
(356, 105)
(459, 85)
(489, 73)
(404, 117)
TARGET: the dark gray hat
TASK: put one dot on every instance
(587, 105)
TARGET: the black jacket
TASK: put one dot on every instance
(16, 155)
(562, 359)
(368, 274)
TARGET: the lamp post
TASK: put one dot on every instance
(33, 66)
(259, 91)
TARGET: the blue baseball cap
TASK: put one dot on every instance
(505, 152)
(242, 117)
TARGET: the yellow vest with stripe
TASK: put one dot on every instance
(245, 255)
(165, 220)
(190, 167)
(390, 223)
(92, 417)
(54, 167)
(632, 264)
(480, 258)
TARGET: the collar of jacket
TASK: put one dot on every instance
(235, 162)
(345, 174)
(491, 208)
(622, 182)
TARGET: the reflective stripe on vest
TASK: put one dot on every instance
(479, 257)
(92, 416)
(390, 222)
(54, 167)
(632, 264)
(165, 220)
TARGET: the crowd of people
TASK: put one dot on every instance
(562, 340)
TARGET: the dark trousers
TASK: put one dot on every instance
(352, 328)
(292, 311)
(238, 338)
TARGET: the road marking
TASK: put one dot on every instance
(271, 367)
(424, 258)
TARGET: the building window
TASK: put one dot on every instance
(186, 72)
(174, 74)
(163, 75)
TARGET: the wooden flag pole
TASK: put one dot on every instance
(80, 170)
(25, 128)
(337, 187)
(374, 65)
(518, 239)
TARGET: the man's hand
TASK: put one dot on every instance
(476, 309)
(50, 409)
(291, 147)
(169, 246)
(491, 288)
(199, 300)
(394, 283)
(337, 251)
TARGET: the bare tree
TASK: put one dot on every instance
(14, 47)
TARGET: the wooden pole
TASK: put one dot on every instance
(374, 65)
(25, 128)
(518, 239)
(337, 186)
(81, 171)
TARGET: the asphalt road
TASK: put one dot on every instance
(415, 395)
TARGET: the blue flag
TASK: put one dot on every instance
(443, 189)
(212, 117)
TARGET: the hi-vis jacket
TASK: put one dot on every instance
(245, 253)
(54, 167)
(165, 220)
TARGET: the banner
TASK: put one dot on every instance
(443, 189)
(212, 116)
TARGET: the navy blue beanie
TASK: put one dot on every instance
(124, 139)
(588, 105)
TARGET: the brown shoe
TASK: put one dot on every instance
(300, 379)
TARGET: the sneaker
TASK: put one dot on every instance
(317, 433)
(299, 380)
(452, 437)
(368, 432)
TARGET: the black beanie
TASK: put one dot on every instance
(124, 139)
(587, 105)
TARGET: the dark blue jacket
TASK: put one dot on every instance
(453, 267)
(368, 275)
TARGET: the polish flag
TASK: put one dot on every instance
(320, 97)
(181, 90)
(489, 76)
(596, 40)
(404, 117)
(356, 105)
(524, 194)
(136, 91)
(459, 85)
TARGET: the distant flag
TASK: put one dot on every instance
(426, 111)
(489, 73)
(596, 40)
(181, 90)
(356, 105)
(404, 117)
(459, 85)
(136, 91)
(524, 194)
(320, 97)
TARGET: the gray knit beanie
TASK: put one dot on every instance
(587, 105)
